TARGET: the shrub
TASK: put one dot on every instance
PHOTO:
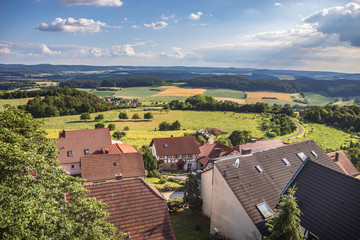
(270, 134)
(85, 116)
(99, 125)
(148, 115)
(126, 128)
(168, 187)
(175, 204)
(123, 115)
(162, 180)
(118, 135)
(135, 116)
(171, 179)
(99, 117)
(111, 127)
(154, 173)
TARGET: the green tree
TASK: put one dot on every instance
(99, 117)
(164, 126)
(111, 127)
(192, 193)
(135, 116)
(150, 162)
(148, 115)
(33, 187)
(123, 115)
(118, 135)
(238, 137)
(85, 116)
(175, 125)
(286, 223)
(99, 125)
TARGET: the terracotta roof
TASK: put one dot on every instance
(135, 207)
(260, 145)
(253, 187)
(104, 166)
(209, 151)
(175, 146)
(79, 140)
(118, 148)
(344, 163)
(329, 202)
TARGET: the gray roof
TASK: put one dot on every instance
(252, 187)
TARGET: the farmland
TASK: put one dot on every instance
(13, 102)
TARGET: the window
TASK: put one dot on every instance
(265, 209)
(259, 169)
(189, 156)
(285, 161)
(176, 156)
(87, 152)
(314, 153)
(165, 145)
(302, 156)
(72, 166)
(70, 153)
(189, 165)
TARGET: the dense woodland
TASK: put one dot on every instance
(345, 117)
(65, 101)
(10, 85)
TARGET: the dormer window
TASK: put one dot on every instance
(87, 152)
(265, 209)
(70, 153)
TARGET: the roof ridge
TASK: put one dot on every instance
(152, 190)
(113, 181)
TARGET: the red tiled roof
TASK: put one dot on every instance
(175, 146)
(118, 148)
(79, 140)
(102, 166)
(209, 151)
(260, 145)
(344, 163)
(135, 208)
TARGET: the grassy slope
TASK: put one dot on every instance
(228, 93)
(102, 93)
(13, 102)
(184, 223)
(317, 99)
(139, 92)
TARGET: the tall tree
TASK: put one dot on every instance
(85, 116)
(150, 162)
(286, 223)
(238, 137)
(33, 185)
(192, 193)
(123, 115)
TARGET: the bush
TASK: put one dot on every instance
(126, 128)
(171, 179)
(99, 125)
(154, 173)
(111, 127)
(148, 115)
(175, 204)
(162, 180)
(99, 117)
(85, 116)
(168, 187)
(135, 116)
(270, 134)
(123, 115)
(118, 135)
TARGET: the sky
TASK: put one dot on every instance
(322, 35)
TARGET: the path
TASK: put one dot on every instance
(301, 130)
(171, 195)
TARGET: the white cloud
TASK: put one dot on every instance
(157, 25)
(163, 17)
(195, 16)
(5, 50)
(99, 3)
(277, 4)
(135, 26)
(46, 50)
(342, 21)
(72, 25)
(176, 53)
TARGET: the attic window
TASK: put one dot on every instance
(259, 169)
(302, 156)
(165, 145)
(116, 164)
(70, 153)
(285, 161)
(265, 209)
(87, 152)
(314, 153)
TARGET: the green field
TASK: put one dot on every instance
(281, 102)
(102, 93)
(317, 99)
(228, 93)
(13, 102)
(139, 92)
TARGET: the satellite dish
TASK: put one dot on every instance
(237, 163)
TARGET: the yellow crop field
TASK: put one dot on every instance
(240, 101)
(180, 92)
(254, 97)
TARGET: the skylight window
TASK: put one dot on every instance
(70, 153)
(314, 153)
(302, 156)
(259, 169)
(165, 145)
(265, 209)
(285, 161)
(87, 152)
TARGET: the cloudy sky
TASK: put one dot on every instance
(279, 34)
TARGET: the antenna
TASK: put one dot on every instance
(237, 163)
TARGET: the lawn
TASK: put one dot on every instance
(189, 226)
(154, 181)
(327, 136)
(13, 102)
(317, 99)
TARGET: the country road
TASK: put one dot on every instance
(301, 130)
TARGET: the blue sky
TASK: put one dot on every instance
(291, 34)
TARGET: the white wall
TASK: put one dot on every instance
(75, 171)
(206, 191)
(227, 214)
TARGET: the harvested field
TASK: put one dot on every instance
(254, 97)
(181, 92)
(240, 101)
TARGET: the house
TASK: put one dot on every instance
(259, 145)
(176, 153)
(104, 167)
(241, 190)
(135, 208)
(76, 143)
(344, 163)
(211, 151)
(118, 148)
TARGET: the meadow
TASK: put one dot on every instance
(317, 99)
(13, 102)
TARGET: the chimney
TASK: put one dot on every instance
(106, 151)
(245, 151)
(202, 143)
(337, 154)
(118, 176)
(62, 134)
(253, 140)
